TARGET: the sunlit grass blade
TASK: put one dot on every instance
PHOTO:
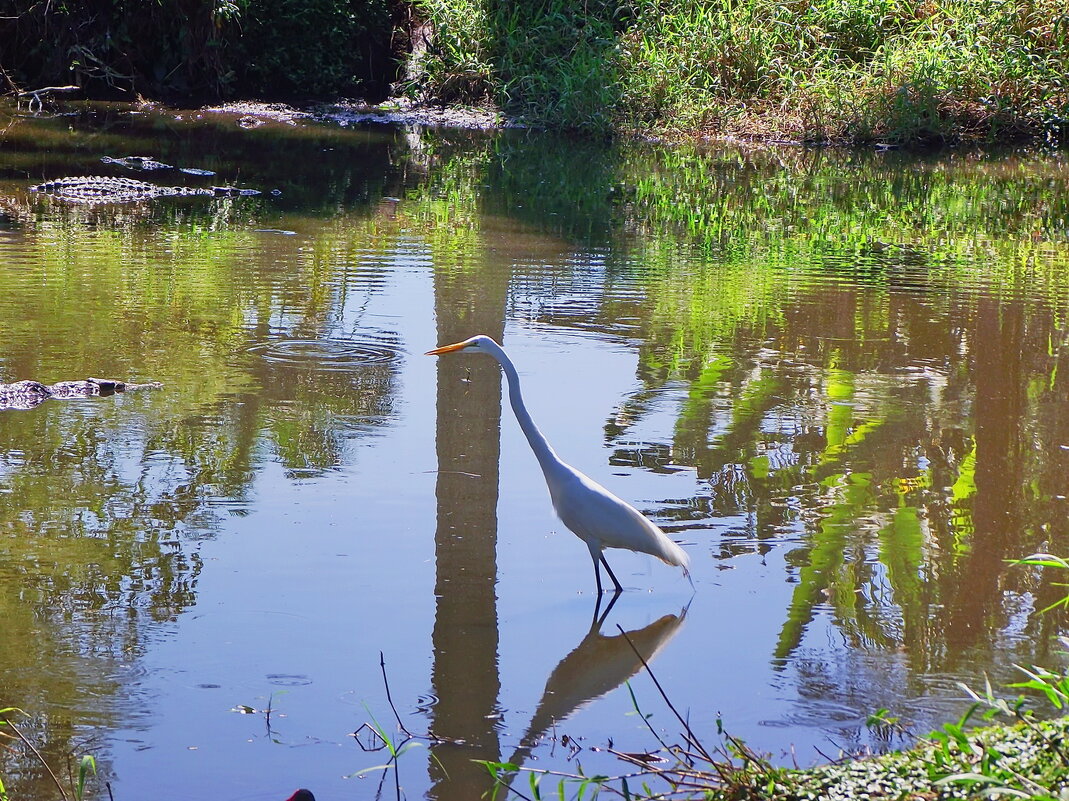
(86, 765)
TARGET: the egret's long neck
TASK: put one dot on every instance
(545, 454)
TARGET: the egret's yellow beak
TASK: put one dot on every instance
(446, 349)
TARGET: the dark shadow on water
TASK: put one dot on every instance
(464, 675)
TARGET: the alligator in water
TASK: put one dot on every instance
(103, 189)
(27, 394)
(147, 163)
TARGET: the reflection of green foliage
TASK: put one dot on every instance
(902, 553)
(821, 577)
(783, 301)
(100, 498)
(961, 493)
(697, 412)
(840, 277)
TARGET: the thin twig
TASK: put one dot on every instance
(636, 761)
(672, 775)
(385, 681)
(691, 737)
(579, 776)
(829, 759)
(13, 87)
(396, 775)
(510, 789)
(40, 758)
(634, 703)
(382, 781)
(742, 751)
(267, 713)
(500, 782)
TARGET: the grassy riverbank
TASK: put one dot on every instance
(851, 71)
(1025, 760)
(900, 72)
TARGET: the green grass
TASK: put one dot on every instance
(859, 71)
(895, 72)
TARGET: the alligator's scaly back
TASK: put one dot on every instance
(93, 189)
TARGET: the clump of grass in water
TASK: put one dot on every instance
(395, 746)
(861, 71)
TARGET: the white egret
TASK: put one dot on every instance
(594, 514)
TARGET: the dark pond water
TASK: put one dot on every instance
(840, 380)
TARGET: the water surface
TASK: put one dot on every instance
(838, 379)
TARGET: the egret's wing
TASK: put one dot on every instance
(596, 515)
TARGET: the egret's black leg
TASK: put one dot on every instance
(597, 576)
(608, 569)
(600, 620)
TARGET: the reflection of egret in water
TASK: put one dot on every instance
(595, 667)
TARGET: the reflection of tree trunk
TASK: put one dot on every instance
(465, 676)
(998, 347)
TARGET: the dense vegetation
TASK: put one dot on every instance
(889, 71)
(196, 50)
(858, 70)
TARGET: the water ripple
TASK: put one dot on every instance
(331, 354)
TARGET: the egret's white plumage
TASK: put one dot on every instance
(594, 514)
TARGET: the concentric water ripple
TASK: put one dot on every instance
(331, 354)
